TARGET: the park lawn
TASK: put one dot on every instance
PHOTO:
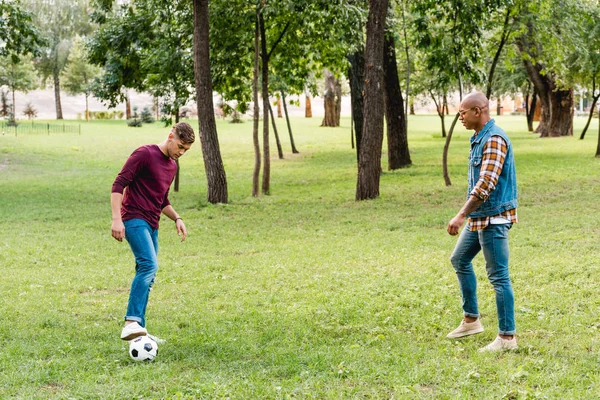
(304, 293)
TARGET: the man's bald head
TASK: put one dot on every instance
(475, 99)
(474, 111)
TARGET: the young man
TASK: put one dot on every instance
(139, 195)
(491, 209)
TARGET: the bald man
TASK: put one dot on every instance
(490, 211)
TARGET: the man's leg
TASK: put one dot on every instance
(494, 242)
(139, 235)
(466, 249)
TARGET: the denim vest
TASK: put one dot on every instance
(504, 196)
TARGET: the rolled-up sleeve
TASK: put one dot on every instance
(494, 153)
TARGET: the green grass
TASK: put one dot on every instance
(304, 293)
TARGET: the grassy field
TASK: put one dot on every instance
(301, 294)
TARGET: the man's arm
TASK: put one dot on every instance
(118, 229)
(170, 212)
(455, 223)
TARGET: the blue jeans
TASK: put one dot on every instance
(493, 240)
(143, 240)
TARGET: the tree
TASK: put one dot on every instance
(369, 162)
(78, 77)
(59, 22)
(398, 154)
(213, 164)
(17, 76)
(19, 35)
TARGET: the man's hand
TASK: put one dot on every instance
(181, 231)
(455, 224)
(118, 229)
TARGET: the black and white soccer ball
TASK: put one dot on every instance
(142, 348)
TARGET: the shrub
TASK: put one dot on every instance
(146, 116)
(136, 123)
(30, 111)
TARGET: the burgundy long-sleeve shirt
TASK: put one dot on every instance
(147, 175)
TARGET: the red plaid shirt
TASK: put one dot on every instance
(494, 152)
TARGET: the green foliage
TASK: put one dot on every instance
(19, 35)
(17, 76)
(135, 123)
(4, 104)
(146, 116)
(79, 75)
(303, 294)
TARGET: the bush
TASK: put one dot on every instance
(147, 116)
(30, 111)
(119, 114)
(136, 123)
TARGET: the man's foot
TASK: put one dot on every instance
(466, 329)
(156, 339)
(132, 330)
(500, 345)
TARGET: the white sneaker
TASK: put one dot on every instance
(466, 329)
(156, 339)
(133, 330)
(500, 345)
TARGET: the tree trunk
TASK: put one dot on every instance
(398, 154)
(213, 164)
(176, 183)
(330, 102)
(369, 162)
(445, 153)
(594, 101)
(412, 109)
(255, 117)
(598, 147)
(445, 105)
(356, 74)
(59, 114)
(87, 110)
(561, 116)
(289, 126)
(503, 39)
(279, 150)
(440, 111)
(307, 107)
(127, 106)
(279, 111)
(338, 101)
(266, 181)
(531, 111)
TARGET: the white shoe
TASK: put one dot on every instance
(156, 339)
(500, 345)
(133, 330)
(466, 329)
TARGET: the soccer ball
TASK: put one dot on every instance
(143, 348)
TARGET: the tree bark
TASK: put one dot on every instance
(176, 183)
(59, 114)
(289, 126)
(503, 40)
(369, 163)
(330, 101)
(127, 106)
(594, 101)
(87, 109)
(213, 164)
(356, 73)
(440, 111)
(279, 150)
(338, 101)
(279, 111)
(307, 107)
(255, 117)
(266, 178)
(530, 110)
(598, 147)
(398, 154)
(445, 153)
(561, 116)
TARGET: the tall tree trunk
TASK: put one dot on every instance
(176, 183)
(338, 101)
(445, 104)
(213, 164)
(598, 147)
(407, 68)
(307, 107)
(87, 109)
(14, 106)
(289, 126)
(266, 178)
(279, 150)
(256, 116)
(503, 39)
(59, 114)
(279, 111)
(330, 102)
(369, 162)
(530, 110)
(398, 154)
(594, 101)
(412, 109)
(445, 152)
(561, 116)
(356, 73)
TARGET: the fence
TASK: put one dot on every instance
(38, 128)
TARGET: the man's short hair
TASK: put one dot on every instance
(184, 132)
